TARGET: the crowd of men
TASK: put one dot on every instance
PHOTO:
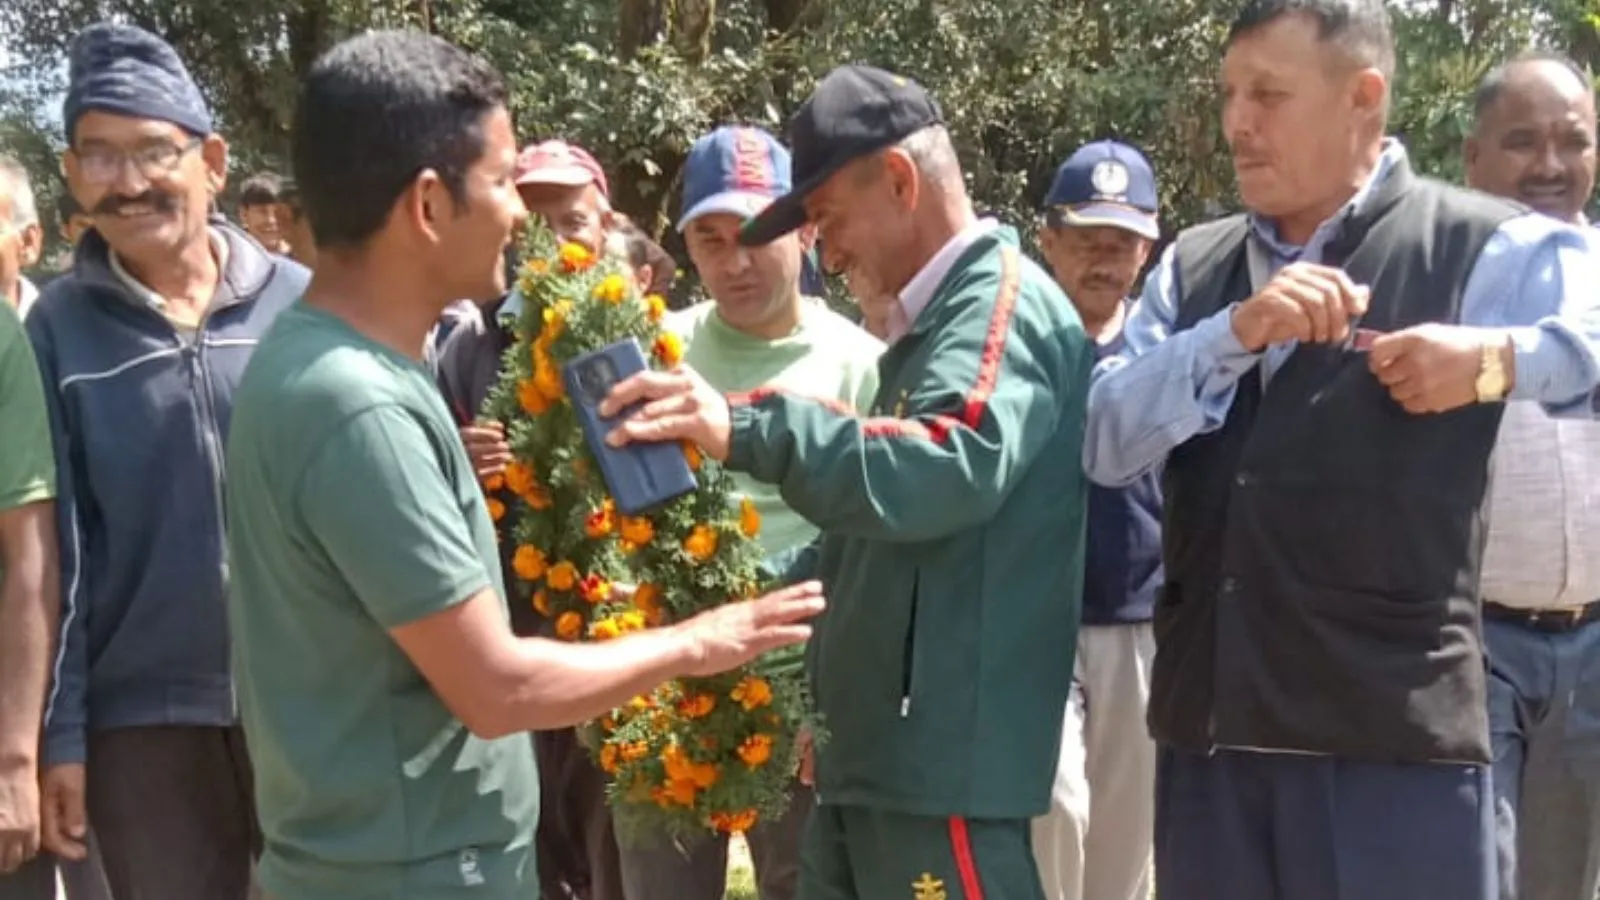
(1276, 577)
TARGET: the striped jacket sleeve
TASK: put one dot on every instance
(66, 706)
(988, 402)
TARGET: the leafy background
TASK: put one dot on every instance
(1022, 82)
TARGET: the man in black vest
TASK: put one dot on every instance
(1323, 378)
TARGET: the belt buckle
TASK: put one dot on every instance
(1575, 615)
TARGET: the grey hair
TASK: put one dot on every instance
(934, 153)
(24, 210)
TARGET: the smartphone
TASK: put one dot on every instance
(640, 476)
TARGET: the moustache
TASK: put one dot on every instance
(1528, 185)
(113, 204)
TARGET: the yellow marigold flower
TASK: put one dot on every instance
(531, 399)
(637, 530)
(631, 620)
(539, 267)
(594, 589)
(529, 562)
(735, 822)
(641, 703)
(611, 289)
(598, 524)
(655, 307)
(701, 544)
(749, 518)
(752, 692)
(604, 629)
(494, 482)
(569, 626)
(575, 257)
(562, 576)
(497, 510)
(541, 603)
(669, 348)
(692, 454)
(608, 759)
(756, 750)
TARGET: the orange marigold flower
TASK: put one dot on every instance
(531, 399)
(647, 599)
(497, 510)
(637, 530)
(538, 497)
(569, 626)
(749, 518)
(494, 482)
(756, 750)
(608, 759)
(547, 379)
(735, 822)
(701, 544)
(697, 706)
(611, 289)
(752, 692)
(594, 588)
(519, 478)
(633, 751)
(529, 562)
(575, 257)
(541, 603)
(604, 629)
(669, 348)
(599, 523)
(562, 576)
(655, 307)
(692, 454)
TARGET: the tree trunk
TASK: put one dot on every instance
(638, 25)
(692, 24)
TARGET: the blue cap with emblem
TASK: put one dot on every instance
(1106, 183)
(735, 169)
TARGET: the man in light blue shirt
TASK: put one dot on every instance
(1322, 380)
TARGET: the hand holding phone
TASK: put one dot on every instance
(640, 476)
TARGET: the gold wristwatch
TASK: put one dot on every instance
(1492, 383)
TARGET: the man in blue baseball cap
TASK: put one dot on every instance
(759, 331)
(1100, 222)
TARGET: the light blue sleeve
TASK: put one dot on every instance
(1539, 280)
(1163, 388)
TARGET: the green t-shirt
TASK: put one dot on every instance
(352, 509)
(828, 356)
(27, 463)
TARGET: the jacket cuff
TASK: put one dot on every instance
(741, 438)
(66, 747)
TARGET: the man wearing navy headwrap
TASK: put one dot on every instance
(141, 346)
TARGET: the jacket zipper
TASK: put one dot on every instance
(911, 646)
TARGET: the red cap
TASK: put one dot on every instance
(558, 162)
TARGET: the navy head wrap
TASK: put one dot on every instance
(128, 71)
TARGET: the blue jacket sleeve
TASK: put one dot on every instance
(66, 705)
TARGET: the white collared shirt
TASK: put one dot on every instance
(219, 250)
(26, 295)
(918, 292)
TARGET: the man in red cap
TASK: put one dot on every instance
(563, 185)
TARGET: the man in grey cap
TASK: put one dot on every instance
(140, 347)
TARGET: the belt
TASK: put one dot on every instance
(1569, 618)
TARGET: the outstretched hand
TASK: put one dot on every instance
(729, 636)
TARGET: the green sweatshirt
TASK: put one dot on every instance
(952, 548)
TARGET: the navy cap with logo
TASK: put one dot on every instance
(854, 111)
(734, 169)
(1106, 183)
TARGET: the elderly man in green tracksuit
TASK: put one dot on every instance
(952, 512)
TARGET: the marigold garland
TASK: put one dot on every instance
(698, 754)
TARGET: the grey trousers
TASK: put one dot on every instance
(1095, 843)
(699, 871)
(1544, 715)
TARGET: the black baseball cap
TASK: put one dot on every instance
(854, 111)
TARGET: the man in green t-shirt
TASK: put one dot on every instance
(757, 333)
(28, 609)
(385, 700)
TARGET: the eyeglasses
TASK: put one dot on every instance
(102, 165)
